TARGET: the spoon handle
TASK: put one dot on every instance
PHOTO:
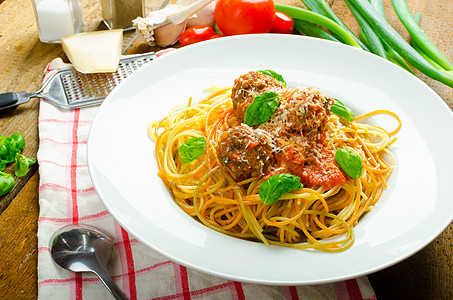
(109, 283)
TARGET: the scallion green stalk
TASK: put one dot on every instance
(392, 55)
(312, 17)
(391, 36)
(374, 42)
(417, 19)
(323, 8)
(395, 58)
(310, 29)
(418, 36)
(379, 6)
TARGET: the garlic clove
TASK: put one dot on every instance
(204, 16)
(168, 35)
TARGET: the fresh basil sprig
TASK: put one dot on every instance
(261, 109)
(10, 151)
(22, 164)
(6, 183)
(350, 162)
(273, 188)
(274, 74)
(192, 149)
(9, 146)
(341, 110)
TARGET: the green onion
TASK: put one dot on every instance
(374, 42)
(392, 55)
(395, 58)
(391, 36)
(312, 17)
(310, 29)
(418, 36)
(417, 19)
(323, 8)
(379, 6)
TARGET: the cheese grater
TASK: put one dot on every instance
(68, 88)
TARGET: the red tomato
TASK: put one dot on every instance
(244, 16)
(282, 23)
(196, 34)
(216, 36)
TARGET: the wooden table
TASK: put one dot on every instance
(426, 275)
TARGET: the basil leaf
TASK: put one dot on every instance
(261, 109)
(6, 183)
(6, 152)
(192, 149)
(273, 188)
(274, 74)
(19, 142)
(341, 110)
(350, 162)
(9, 146)
(22, 164)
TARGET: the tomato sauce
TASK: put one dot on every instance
(292, 141)
(313, 173)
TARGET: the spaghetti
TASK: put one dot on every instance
(320, 216)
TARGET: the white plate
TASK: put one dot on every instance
(415, 208)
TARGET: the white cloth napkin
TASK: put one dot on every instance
(67, 196)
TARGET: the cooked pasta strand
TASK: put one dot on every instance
(308, 218)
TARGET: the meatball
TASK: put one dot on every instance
(292, 141)
(248, 86)
(245, 152)
(303, 110)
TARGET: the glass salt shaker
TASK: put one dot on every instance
(120, 13)
(57, 18)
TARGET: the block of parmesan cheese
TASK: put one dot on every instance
(94, 52)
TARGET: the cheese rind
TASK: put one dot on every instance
(94, 52)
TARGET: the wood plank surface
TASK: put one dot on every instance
(426, 275)
(19, 244)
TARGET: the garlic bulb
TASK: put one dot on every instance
(172, 13)
(154, 20)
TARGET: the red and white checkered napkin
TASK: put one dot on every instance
(67, 196)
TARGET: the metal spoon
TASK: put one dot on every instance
(83, 248)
